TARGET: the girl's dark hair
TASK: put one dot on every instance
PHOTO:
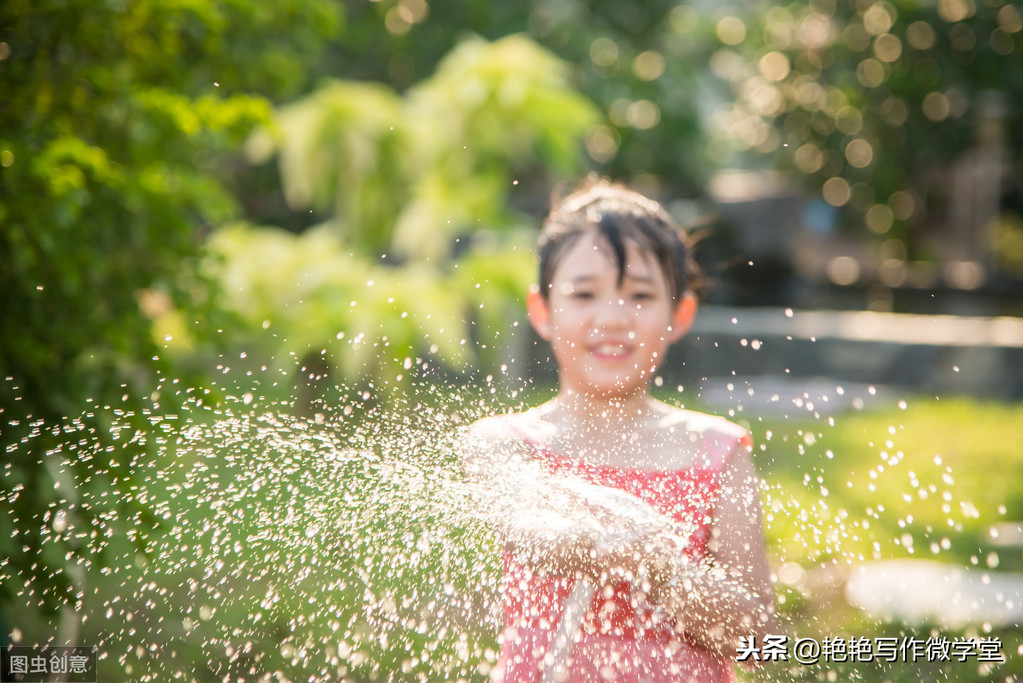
(617, 214)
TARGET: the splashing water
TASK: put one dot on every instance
(346, 545)
(342, 545)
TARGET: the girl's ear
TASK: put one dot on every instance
(682, 320)
(539, 313)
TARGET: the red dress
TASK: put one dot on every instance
(619, 639)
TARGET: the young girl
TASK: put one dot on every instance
(634, 547)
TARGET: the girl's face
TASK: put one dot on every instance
(607, 339)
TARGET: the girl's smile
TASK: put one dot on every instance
(611, 350)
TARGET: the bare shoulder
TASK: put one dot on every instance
(504, 432)
(701, 425)
(503, 426)
(493, 428)
(695, 432)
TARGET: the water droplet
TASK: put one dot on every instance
(60, 521)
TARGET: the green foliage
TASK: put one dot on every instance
(642, 63)
(493, 112)
(367, 320)
(381, 287)
(407, 174)
(117, 127)
(340, 152)
(856, 96)
(1008, 242)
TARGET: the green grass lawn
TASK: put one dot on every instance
(927, 479)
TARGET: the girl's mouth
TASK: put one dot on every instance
(610, 350)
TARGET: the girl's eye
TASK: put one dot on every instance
(582, 295)
(642, 296)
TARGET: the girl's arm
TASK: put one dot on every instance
(730, 596)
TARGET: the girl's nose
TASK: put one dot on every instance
(613, 313)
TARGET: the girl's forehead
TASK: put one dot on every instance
(592, 255)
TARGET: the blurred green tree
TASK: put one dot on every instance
(642, 63)
(117, 132)
(849, 95)
(406, 174)
(412, 184)
(871, 101)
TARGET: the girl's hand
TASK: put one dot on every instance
(647, 556)
(629, 540)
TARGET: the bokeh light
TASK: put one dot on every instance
(859, 153)
(836, 191)
(731, 30)
(879, 218)
(648, 65)
(604, 52)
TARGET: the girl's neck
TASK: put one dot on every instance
(581, 408)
